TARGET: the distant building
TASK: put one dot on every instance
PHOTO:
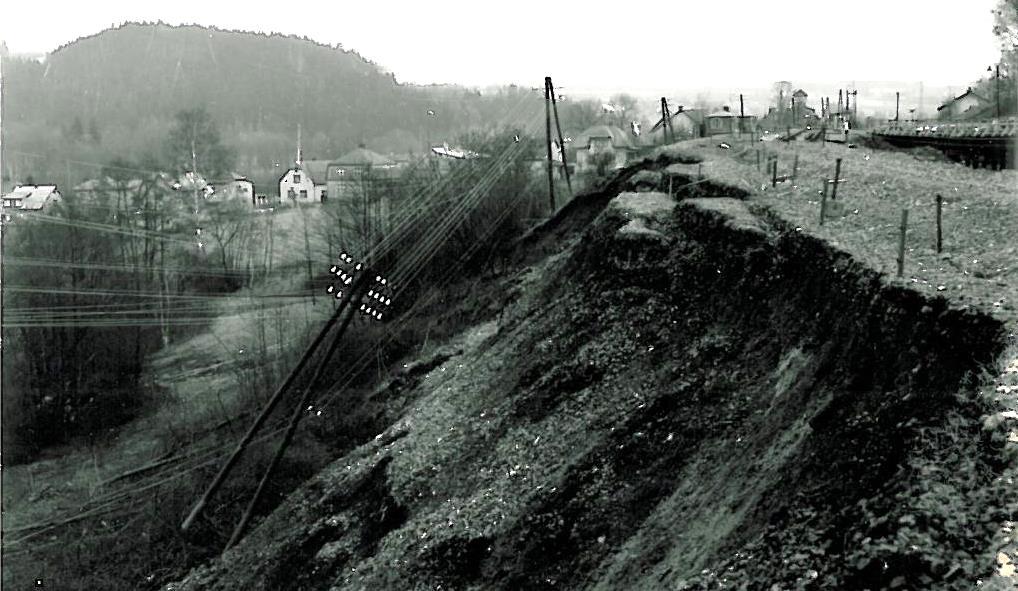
(304, 183)
(96, 188)
(687, 123)
(723, 121)
(968, 105)
(191, 181)
(365, 182)
(238, 188)
(602, 146)
(32, 197)
(347, 174)
(799, 105)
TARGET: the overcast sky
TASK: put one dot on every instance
(634, 45)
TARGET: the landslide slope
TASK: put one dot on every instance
(679, 396)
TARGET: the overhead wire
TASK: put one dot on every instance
(221, 448)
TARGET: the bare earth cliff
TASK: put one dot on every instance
(677, 395)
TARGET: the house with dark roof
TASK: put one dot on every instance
(601, 147)
(723, 121)
(968, 105)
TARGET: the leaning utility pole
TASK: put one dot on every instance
(666, 122)
(372, 301)
(359, 275)
(558, 127)
(547, 141)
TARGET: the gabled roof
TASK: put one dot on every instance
(36, 196)
(363, 157)
(694, 115)
(19, 192)
(722, 113)
(315, 169)
(800, 92)
(618, 137)
(968, 92)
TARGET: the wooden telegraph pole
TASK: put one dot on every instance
(558, 128)
(897, 103)
(742, 113)
(547, 141)
(666, 122)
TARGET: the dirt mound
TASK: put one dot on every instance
(689, 397)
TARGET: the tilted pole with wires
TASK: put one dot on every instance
(558, 128)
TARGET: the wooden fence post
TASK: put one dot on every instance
(823, 202)
(795, 167)
(837, 177)
(774, 172)
(901, 241)
(940, 209)
(670, 194)
(758, 159)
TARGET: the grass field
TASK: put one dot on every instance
(978, 266)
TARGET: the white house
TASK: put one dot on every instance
(32, 197)
(304, 182)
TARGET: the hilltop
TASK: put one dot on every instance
(115, 93)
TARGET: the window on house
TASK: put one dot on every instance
(296, 177)
(303, 194)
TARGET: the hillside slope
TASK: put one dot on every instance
(114, 94)
(678, 396)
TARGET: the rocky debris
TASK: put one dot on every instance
(729, 404)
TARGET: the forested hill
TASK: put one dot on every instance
(119, 89)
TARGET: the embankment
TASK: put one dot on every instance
(678, 397)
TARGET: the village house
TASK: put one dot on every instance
(347, 175)
(238, 188)
(191, 181)
(32, 197)
(601, 146)
(969, 105)
(305, 183)
(723, 121)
